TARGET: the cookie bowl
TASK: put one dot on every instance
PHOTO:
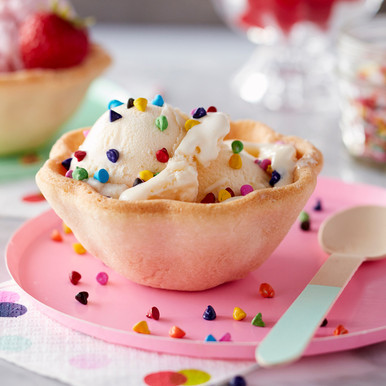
(181, 245)
(36, 102)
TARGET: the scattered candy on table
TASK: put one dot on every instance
(141, 327)
(82, 297)
(239, 314)
(79, 248)
(226, 337)
(324, 323)
(153, 313)
(340, 330)
(304, 219)
(209, 313)
(66, 229)
(266, 290)
(56, 236)
(75, 277)
(176, 332)
(210, 338)
(102, 278)
(258, 321)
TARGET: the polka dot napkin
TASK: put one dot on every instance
(31, 340)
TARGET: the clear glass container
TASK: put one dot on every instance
(292, 67)
(362, 83)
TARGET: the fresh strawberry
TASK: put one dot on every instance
(47, 40)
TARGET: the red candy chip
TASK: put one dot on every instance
(162, 155)
(266, 290)
(209, 199)
(79, 155)
(75, 277)
(211, 109)
(153, 313)
(231, 192)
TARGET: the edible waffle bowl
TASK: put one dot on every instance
(34, 103)
(180, 245)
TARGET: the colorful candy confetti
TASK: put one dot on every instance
(74, 277)
(102, 278)
(140, 104)
(141, 327)
(153, 313)
(114, 116)
(78, 248)
(176, 332)
(209, 313)
(238, 314)
(79, 174)
(82, 297)
(162, 122)
(258, 321)
(158, 101)
(235, 161)
(266, 290)
(112, 155)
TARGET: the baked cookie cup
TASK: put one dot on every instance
(181, 245)
(34, 103)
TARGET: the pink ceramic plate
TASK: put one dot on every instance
(41, 266)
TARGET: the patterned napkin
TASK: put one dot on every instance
(31, 340)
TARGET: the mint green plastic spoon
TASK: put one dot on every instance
(352, 236)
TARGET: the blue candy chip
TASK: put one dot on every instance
(210, 338)
(114, 103)
(102, 175)
(199, 113)
(158, 101)
(112, 155)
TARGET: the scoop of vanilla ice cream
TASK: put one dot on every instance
(219, 175)
(136, 137)
(12, 14)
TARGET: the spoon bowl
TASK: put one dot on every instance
(355, 231)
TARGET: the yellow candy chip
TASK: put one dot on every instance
(141, 328)
(145, 175)
(223, 195)
(66, 229)
(235, 161)
(79, 248)
(269, 169)
(239, 314)
(140, 104)
(190, 123)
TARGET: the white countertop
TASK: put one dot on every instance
(192, 67)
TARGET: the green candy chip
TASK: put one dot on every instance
(237, 146)
(79, 174)
(304, 216)
(162, 122)
(258, 321)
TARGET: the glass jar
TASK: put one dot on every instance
(362, 83)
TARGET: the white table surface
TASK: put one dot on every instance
(192, 67)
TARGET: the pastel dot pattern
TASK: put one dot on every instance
(195, 377)
(165, 378)
(89, 361)
(11, 310)
(14, 343)
(9, 296)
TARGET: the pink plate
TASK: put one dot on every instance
(41, 267)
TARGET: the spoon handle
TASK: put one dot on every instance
(290, 336)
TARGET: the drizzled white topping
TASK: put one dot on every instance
(179, 180)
